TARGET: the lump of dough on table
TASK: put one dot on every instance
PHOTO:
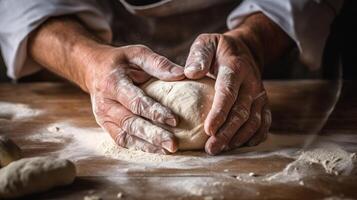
(32, 175)
(9, 151)
(190, 100)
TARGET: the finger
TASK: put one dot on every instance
(134, 99)
(262, 133)
(201, 56)
(140, 128)
(226, 90)
(154, 64)
(123, 139)
(151, 133)
(253, 123)
(237, 117)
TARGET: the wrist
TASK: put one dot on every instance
(95, 60)
(64, 46)
(266, 41)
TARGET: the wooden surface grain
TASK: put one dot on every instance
(297, 107)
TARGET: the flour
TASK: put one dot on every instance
(329, 157)
(332, 158)
(82, 143)
(16, 111)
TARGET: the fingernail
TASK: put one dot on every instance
(209, 130)
(169, 145)
(171, 122)
(193, 67)
(214, 148)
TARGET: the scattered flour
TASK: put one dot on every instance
(333, 158)
(84, 143)
(92, 197)
(16, 111)
(120, 195)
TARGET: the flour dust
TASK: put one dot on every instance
(82, 143)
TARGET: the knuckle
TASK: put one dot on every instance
(109, 83)
(226, 136)
(156, 112)
(203, 36)
(139, 48)
(160, 62)
(255, 121)
(99, 109)
(126, 123)
(242, 112)
(135, 105)
(227, 38)
(229, 93)
(144, 106)
(121, 138)
(139, 104)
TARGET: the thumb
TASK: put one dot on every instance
(201, 56)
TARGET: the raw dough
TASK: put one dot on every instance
(190, 100)
(32, 175)
(9, 151)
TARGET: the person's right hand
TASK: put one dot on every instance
(122, 108)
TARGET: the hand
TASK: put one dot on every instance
(239, 112)
(121, 108)
(109, 75)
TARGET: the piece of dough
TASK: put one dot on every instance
(9, 151)
(32, 175)
(190, 100)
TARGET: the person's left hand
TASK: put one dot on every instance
(239, 114)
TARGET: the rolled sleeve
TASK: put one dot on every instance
(307, 22)
(20, 17)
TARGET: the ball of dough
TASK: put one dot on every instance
(191, 100)
(32, 175)
(9, 151)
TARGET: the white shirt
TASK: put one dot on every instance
(307, 22)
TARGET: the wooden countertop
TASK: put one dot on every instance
(297, 107)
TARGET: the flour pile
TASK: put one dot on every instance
(332, 158)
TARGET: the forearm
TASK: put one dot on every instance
(266, 40)
(65, 47)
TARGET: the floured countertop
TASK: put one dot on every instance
(55, 119)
